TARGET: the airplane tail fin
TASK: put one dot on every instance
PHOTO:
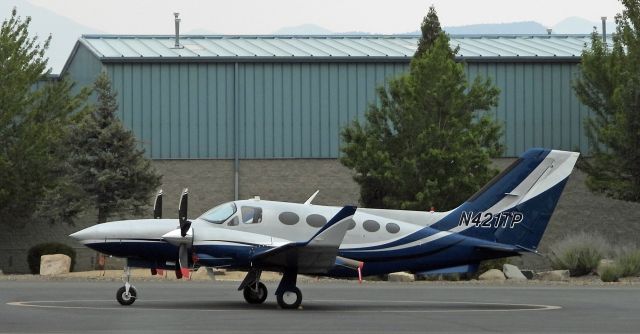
(515, 207)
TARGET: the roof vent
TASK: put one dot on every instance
(549, 31)
(177, 44)
(604, 30)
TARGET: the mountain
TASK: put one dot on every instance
(512, 28)
(304, 29)
(64, 32)
(519, 28)
(579, 25)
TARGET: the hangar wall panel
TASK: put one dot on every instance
(296, 110)
(537, 105)
(178, 110)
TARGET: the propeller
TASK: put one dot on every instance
(157, 206)
(182, 237)
(183, 252)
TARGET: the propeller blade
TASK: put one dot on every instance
(157, 207)
(183, 259)
(182, 212)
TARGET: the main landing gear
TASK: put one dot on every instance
(127, 294)
(287, 294)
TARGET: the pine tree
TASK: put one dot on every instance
(33, 121)
(108, 165)
(609, 84)
(424, 145)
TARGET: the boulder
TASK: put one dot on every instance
(512, 272)
(401, 277)
(54, 264)
(205, 273)
(553, 275)
(492, 275)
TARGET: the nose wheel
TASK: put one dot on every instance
(125, 297)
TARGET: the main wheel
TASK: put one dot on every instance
(125, 298)
(255, 295)
(290, 299)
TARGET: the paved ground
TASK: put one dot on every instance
(329, 307)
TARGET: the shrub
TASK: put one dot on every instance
(628, 262)
(610, 273)
(579, 253)
(35, 252)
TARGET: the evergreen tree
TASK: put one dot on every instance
(424, 145)
(609, 84)
(107, 164)
(33, 121)
(431, 30)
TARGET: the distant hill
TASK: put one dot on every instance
(578, 25)
(304, 29)
(516, 28)
(64, 32)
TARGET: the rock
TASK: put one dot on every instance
(553, 275)
(54, 264)
(512, 272)
(492, 275)
(206, 273)
(401, 277)
(529, 274)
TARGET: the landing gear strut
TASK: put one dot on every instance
(288, 295)
(127, 294)
(254, 291)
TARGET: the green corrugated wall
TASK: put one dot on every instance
(295, 110)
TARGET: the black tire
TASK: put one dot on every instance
(286, 299)
(125, 299)
(255, 297)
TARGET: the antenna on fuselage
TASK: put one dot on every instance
(308, 202)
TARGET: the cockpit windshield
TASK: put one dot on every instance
(220, 213)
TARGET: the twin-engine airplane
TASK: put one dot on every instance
(506, 217)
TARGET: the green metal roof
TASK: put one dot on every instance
(327, 48)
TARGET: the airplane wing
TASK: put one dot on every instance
(318, 254)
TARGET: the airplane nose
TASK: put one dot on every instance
(92, 232)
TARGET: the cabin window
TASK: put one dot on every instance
(371, 225)
(234, 221)
(392, 228)
(251, 215)
(352, 224)
(316, 220)
(288, 218)
(220, 213)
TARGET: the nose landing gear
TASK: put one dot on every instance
(127, 294)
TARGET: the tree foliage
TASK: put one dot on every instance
(609, 84)
(107, 164)
(33, 121)
(424, 145)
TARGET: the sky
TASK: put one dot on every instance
(265, 17)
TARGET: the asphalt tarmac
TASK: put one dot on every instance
(328, 307)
